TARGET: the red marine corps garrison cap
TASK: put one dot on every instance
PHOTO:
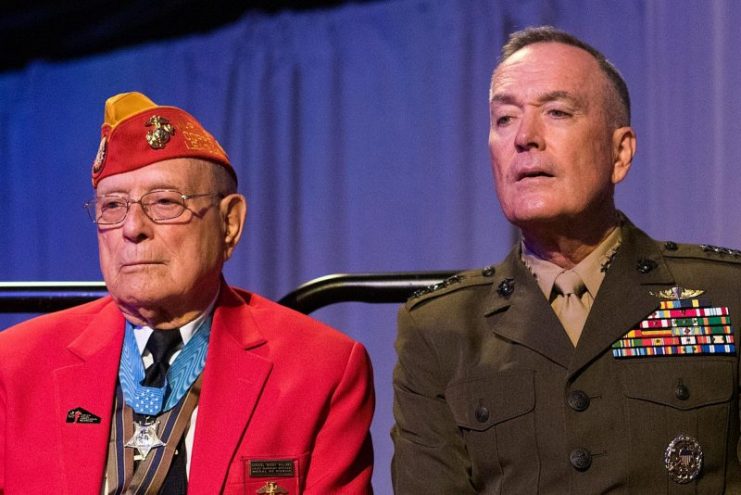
(137, 132)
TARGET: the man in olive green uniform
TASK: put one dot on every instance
(593, 359)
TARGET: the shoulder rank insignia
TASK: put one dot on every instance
(677, 293)
(454, 279)
(452, 283)
(720, 250)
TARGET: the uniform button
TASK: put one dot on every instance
(578, 400)
(482, 414)
(682, 392)
(645, 265)
(506, 287)
(581, 459)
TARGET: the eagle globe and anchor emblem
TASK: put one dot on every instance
(162, 132)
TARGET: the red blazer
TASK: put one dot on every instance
(277, 386)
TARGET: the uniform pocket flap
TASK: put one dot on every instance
(479, 403)
(686, 384)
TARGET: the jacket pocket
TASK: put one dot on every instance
(478, 404)
(669, 397)
(495, 416)
(268, 474)
(684, 385)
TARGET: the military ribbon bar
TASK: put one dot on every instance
(678, 331)
(683, 303)
(674, 350)
(679, 327)
(689, 313)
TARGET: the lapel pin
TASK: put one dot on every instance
(80, 415)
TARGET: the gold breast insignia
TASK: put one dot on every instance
(678, 293)
(271, 488)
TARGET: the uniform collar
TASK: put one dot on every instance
(591, 269)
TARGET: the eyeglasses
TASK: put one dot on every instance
(159, 206)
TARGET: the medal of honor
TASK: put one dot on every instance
(145, 438)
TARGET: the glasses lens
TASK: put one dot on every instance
(110, 209)
(90, 208)
(163, 205)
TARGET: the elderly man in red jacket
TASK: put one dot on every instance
(178, 382)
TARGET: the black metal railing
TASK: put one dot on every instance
(361, 287)
(44, 297)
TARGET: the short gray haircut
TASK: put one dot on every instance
(618, 102)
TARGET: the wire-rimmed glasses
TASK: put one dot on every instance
(159, 206)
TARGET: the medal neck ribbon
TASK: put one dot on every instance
(188, 365)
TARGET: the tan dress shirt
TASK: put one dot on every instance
(591, 270)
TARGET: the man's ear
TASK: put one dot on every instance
(623, 151)
(233, 213)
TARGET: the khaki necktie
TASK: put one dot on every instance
(569, 306)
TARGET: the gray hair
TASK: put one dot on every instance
(618, 102)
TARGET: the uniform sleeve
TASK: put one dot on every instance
(342, 459)
(429, 453)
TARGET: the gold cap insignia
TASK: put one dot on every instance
(678, 293)
(162, 132)
(272, 488)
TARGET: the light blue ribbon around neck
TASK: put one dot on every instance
(152, 401)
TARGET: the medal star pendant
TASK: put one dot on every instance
(145, 438)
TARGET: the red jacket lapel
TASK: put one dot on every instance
(233, 380)
(88, 384)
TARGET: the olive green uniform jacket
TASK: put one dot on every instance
(491, 397)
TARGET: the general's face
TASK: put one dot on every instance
(554, 155)
(174, 265)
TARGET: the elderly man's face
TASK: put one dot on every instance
(171, 267)
(553, 154)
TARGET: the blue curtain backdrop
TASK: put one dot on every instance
(359, 135)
